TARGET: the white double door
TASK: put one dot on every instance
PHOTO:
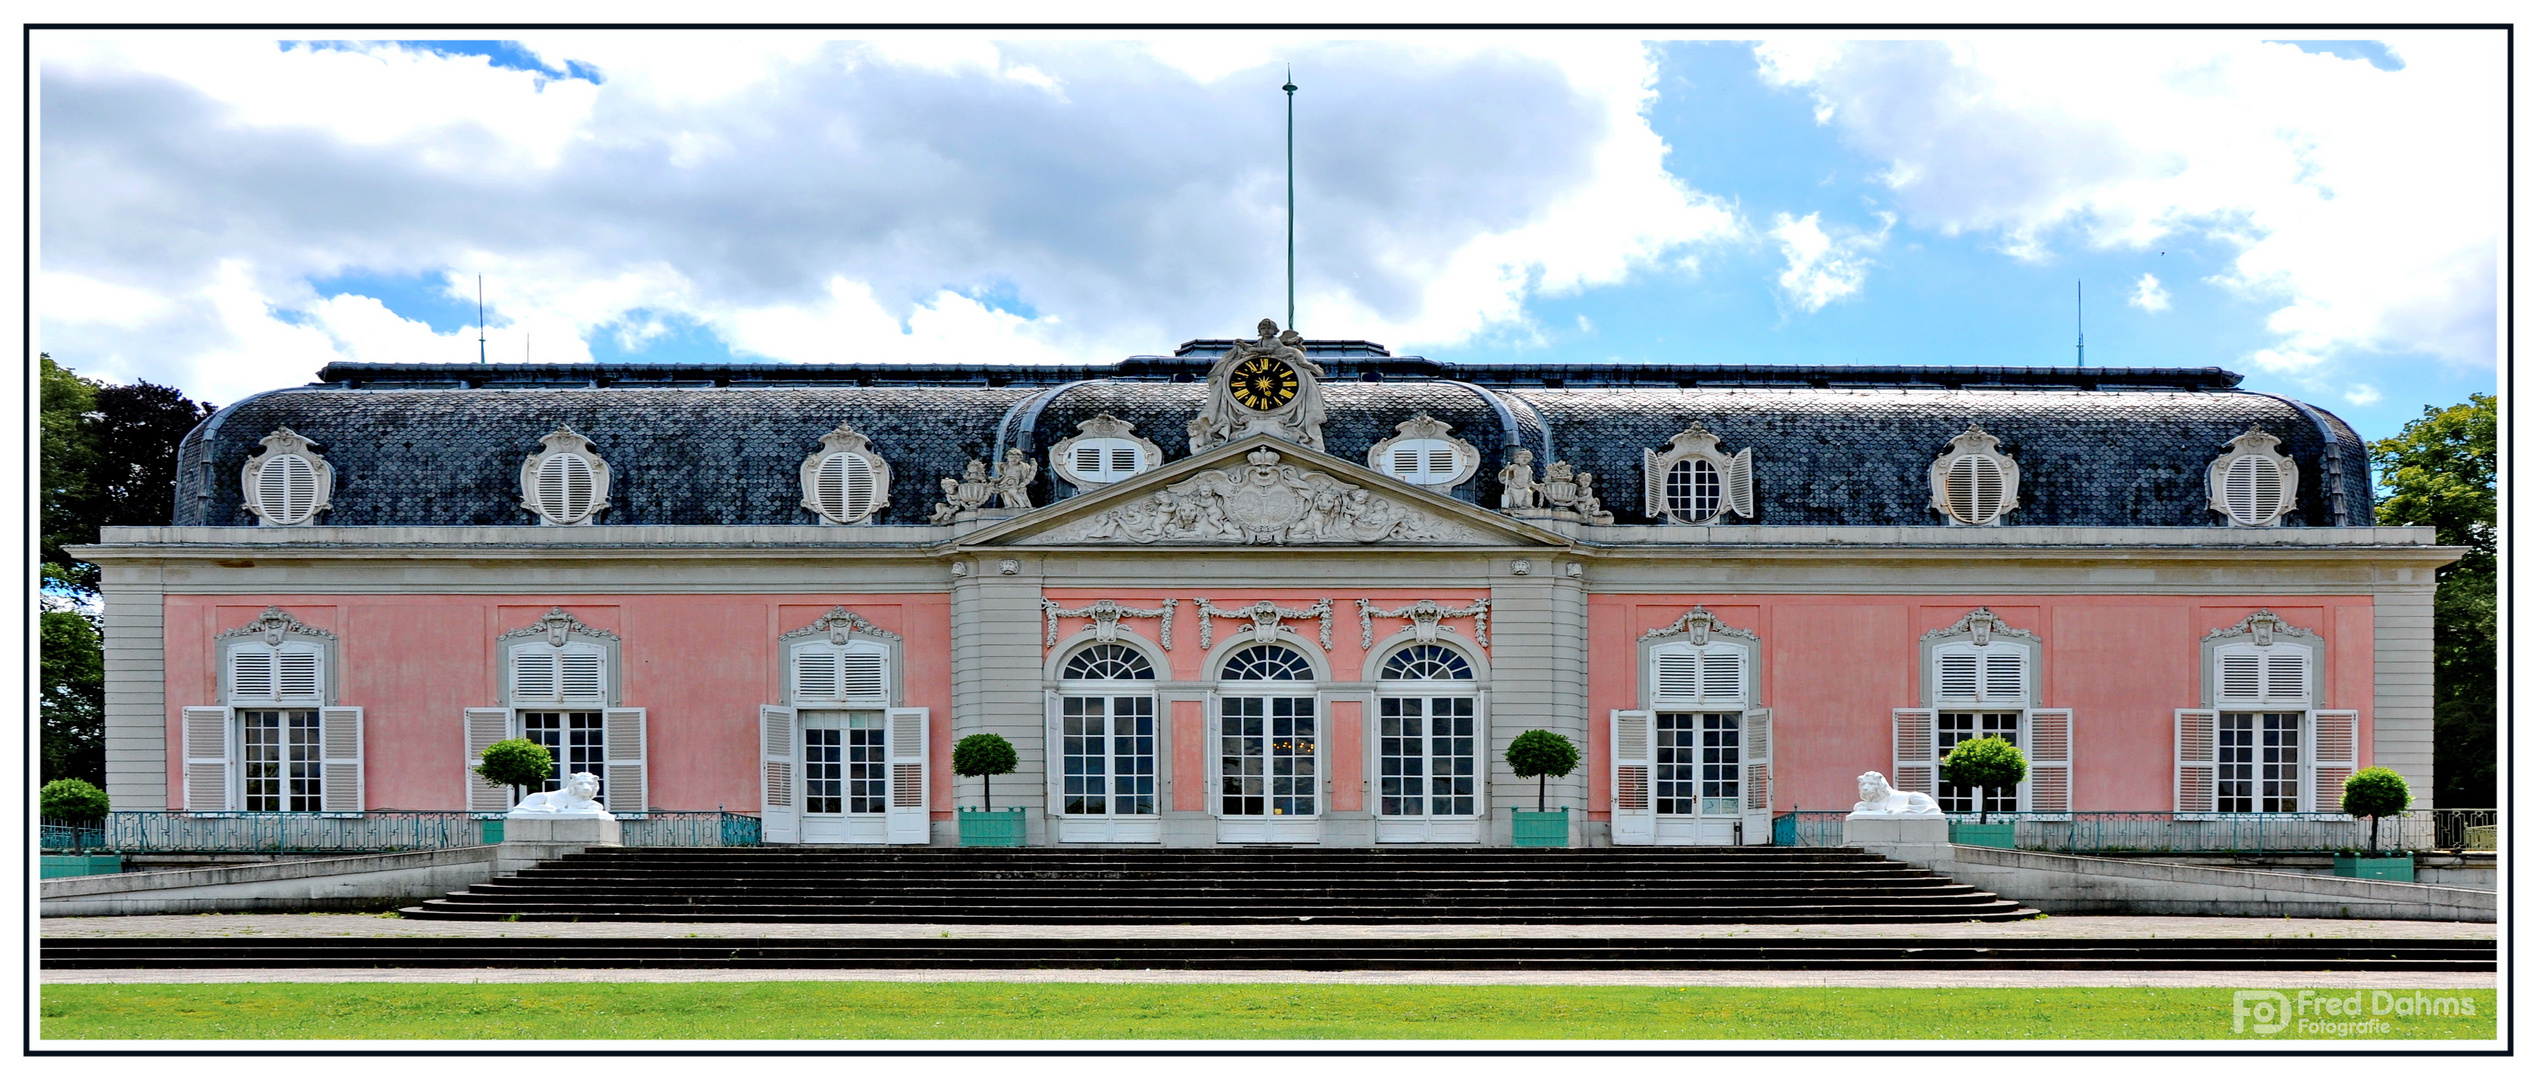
(1699, 777)
(1105, 766)
(1268, 769)
(1427, 758)
(845, 776)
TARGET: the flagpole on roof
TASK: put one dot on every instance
(480, 318)
(1290, 195)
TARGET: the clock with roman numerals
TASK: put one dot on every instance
(1263, 383)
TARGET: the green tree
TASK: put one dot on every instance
(1990, 763)
(517, 764)
(1542, 754)
(73, 800)
(72, 697)
(2374, 793)
(984, 755)
(116, 453)
(2440, 471)
(64, 403)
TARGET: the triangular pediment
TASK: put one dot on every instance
(1264, 490)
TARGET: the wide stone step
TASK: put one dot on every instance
(1202, 953)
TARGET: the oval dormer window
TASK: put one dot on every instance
(1105, 460)
(566, 486)
(1423, 461)
(846, 487)
(1974, 486)
(286, 490)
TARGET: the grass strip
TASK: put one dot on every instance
(984, 1011)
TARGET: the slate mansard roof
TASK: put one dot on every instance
(416, 444)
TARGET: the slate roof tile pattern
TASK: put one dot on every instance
(697, 453)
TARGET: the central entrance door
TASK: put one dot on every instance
(1268, 741)
(845, 777)
(1699, 777)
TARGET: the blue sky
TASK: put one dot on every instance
(227, 215)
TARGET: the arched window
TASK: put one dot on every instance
(1267, 663)
(286, 483)
(1693, 482)
(1108, 662)
(1426, 662)
(1268, 732)
(565, 483)
(1104, 738)
(1427, 747)
(843, 481)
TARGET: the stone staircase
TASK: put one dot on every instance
(1204, 886)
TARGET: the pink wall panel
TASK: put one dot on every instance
(1189, 755)
(699, 665)
(1347, 755)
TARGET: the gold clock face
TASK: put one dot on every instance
(1261, 383)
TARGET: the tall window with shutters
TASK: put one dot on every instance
(2262, 746)
(840, 762)
(559, 684)
(286, 483)
(277, 742)
(1982, 692)
(1981, 679)
(1694, 767)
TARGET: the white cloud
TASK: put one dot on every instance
(2364, 206)
(2148, 295)
(822, 200)
(2362, 395)
(1823, 266)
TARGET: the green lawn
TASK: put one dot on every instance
(874, 1010)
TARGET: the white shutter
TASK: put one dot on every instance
(814, 674)
(1959, 676)
(2004, 675)
(2197, 761)
(1757, 776)
(910, 816)
(485, 727)
(533, 673)
(829, 486)
(1722, 674)
(550, 489)
(2285, 480)
(296, 672)
(2237, 490)
(206, 758)
(2337, 740)
(2048, 737)
(627, 787)
(1125, 460)
(250, 672)
(1739, 481)
(339, 778)
(1678, 676)
(1633, 766)
(2241, 676)
(2286, 674)
(1442, 464)
(861, 488)
(863, 676)
(1652, 485)
(583, 677)
(779, 740)
(1916, 751)
(1405, 462)
(578, 485)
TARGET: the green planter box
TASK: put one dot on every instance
(81, 865)
(1541, 828)
(2390, 868)
(491, 830)
(991, 828)
(1999, 834)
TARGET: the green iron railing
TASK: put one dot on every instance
(265, 832)
(2167, 832)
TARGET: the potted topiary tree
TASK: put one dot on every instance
(2373, 793)
(1989, 764)
(519, 764)
(1541, 754)
(74, 819)
(986, 756)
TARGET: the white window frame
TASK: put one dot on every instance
(1699, 639)
(1428, 436)
(844, 442)
(1110, 434)
(282, 445)
(1473, 688)
(563, 442)
(1273, 827)
(1696, 444)
(1973, 444)
(1110, 825)
(2254, 450)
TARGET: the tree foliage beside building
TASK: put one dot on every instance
(107, 457)
(2441, 471)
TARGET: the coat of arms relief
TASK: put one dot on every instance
(1267, 501)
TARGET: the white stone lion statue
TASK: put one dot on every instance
(579, 797)
(1878, 797)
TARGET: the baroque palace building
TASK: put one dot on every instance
(1266, 590)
